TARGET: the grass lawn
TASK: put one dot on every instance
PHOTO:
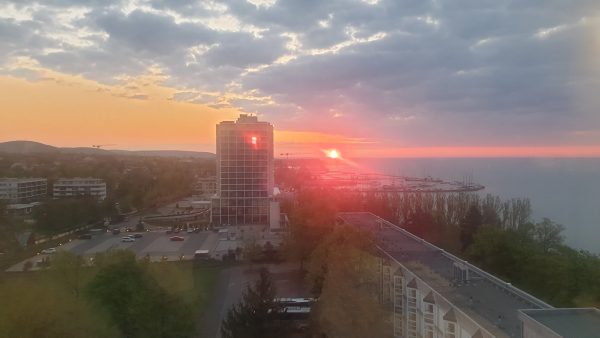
(191, 283)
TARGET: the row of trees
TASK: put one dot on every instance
(534, 258)
(500, 236)
(59, 215)
(116, 297)
(496, 234)
(452, 208)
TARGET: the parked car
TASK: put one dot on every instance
(176, 238)
(169, 231)
(116, 231)
(85, 236)
(137, 235)
(190, 231)
(49, 251)
(127, 239)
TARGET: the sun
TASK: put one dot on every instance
(332, 153)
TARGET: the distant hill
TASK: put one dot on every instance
(31, 147)
(167, 153)
(26, 147)
(164, 153)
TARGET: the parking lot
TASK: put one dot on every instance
(156, 245)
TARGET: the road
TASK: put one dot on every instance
(230, 285)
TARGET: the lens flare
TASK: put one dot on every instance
(332, 153)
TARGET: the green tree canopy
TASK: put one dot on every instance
(40, 308)
(253, 316)
(136, 302)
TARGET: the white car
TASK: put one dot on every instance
(49, 251)
(127, 239)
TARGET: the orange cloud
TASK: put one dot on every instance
(71, 111)
(139, 113)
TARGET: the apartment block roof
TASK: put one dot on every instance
(489, 301)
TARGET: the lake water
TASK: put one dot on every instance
(564, 190)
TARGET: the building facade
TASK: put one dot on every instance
(245, 173)
(79, 187)
(23, 190)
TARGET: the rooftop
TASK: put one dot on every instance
(568, 323)
(491, 302)
(23, 179)
(78, 179)
(245, 119)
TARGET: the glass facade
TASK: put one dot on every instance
(244, 172)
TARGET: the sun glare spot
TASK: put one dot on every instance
(332, 153)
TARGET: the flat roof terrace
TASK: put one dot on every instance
(567, 323)
(491, 302)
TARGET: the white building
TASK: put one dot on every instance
(22, 190)
(206, 186)
(78, 187)
(431, 293)
(245, 174)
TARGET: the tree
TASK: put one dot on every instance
(59, 215)
(67, 270)
(136, 302)
(348, 305)
(548, 234)
(504, 253)
(41, 308)
(139, 226)
(252, 251)
(343, 275)
(311, 219)
(469, 226)
(318, 265)
(253, 317)
(422, 224)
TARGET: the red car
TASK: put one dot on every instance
(176, 238)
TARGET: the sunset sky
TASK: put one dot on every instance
(383, 78)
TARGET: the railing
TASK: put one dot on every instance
(457, 309)
(493, 279)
